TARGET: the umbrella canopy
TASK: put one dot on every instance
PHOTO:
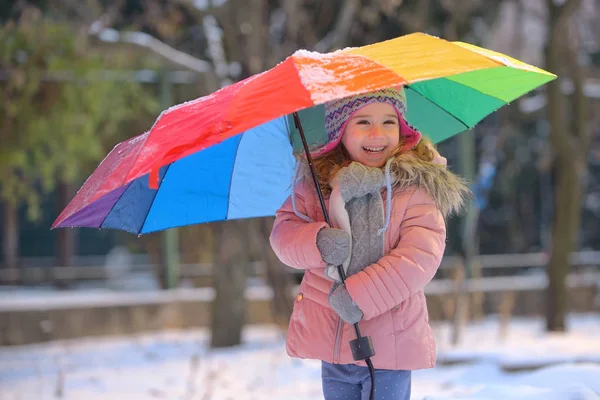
(229, 154)
(244, 176)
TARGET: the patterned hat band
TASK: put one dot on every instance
(338, 113)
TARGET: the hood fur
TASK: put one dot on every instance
(448, 190)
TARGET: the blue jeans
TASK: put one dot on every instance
(353, 382)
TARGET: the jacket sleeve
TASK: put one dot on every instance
(407, 268)
(294, 240)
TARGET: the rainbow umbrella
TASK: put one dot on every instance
(230, 154)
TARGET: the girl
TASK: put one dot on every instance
(388, 194)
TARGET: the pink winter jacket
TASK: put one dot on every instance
(389, 292)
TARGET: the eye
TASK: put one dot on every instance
(390, 122)
(362, 122)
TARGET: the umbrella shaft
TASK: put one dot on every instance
(317, 186)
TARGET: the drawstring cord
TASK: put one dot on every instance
(388, 185)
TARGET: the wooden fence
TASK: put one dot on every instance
(94, 269)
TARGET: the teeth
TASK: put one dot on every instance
(374, 149)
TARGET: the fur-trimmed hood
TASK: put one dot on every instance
(449, 191)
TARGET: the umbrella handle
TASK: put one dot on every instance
(362, 346)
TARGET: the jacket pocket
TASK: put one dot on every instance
(410, 312)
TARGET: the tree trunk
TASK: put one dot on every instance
(10, 241)
(65, 237)
(229, 281)
(257, 39)
(569, 157)
(170, 258)
(564, 232)
(278, 278)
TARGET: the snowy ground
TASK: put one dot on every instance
(178, 365)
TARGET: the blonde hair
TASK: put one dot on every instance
(327, 165)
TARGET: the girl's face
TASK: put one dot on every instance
(372, 134)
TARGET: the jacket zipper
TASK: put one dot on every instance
(338, 338)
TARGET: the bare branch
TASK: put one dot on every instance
(214, 35)
(200, 10)
(337, 37)
(149, 42)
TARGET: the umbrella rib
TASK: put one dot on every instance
(154, 198)
(237, 148)
(440, 107)
(114, 204)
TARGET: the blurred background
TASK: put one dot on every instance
(83, 311)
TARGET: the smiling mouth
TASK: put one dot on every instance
(374, 150)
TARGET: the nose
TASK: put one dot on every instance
(375, 131)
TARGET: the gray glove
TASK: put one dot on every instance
(343, 305)
(356, 180)
(334, 245)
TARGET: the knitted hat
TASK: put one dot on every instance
(338, 113)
